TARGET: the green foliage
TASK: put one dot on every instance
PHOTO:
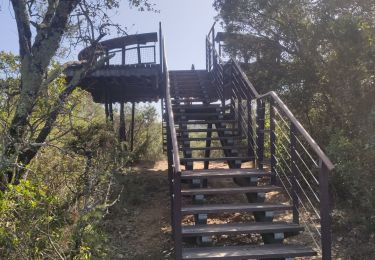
(319, 55)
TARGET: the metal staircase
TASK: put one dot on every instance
(216, 115)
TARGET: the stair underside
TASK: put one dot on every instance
(246, 252)
(240, 228)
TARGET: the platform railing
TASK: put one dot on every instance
(279, 142)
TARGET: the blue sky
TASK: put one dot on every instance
(185, 24)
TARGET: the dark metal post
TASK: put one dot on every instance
(213, 47)
(293, 161)
(177, 215)
(207, 55)
(250, 131)
(139, 54)
(132, 128)
(106, 111)
(325, 212)
(160, 48)
(122, 134)
(123, 55)
(208, 144)
(107, 54)
(260, 133)
(110, 111)
(272, 142)
(240, 122)
(170, 171)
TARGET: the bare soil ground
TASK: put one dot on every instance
(138, 225)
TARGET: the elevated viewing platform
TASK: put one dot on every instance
(132, 72)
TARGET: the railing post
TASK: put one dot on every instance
(250, 130)
(293, 166)
(123, 55)
(240, 122)
(272, 142)
(209, 57)
(260, 133)
(214, 60)
(160, 49)
(139, 54)
(177, 215)
(325, 212)
(170, 169)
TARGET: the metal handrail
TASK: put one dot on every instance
(283, 107)
(176, 156)
(319, 152)
(241, 88)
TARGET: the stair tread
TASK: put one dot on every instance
(224, 173)
(196, 130)
(240, 228)
(208, 138)
(241, 252)
(216, 159)
(215, 148)
(233, 208)
(202, 122)
(197, 106)
(231, 190)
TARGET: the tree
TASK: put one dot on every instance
(43, 26)
(327, 76)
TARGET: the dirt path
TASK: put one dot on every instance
(138, 225)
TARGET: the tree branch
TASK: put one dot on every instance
(23, 26)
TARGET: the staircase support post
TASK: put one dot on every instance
(170, 171)
(132, 128)
(208, 144)
(106, 107)
(110, 105)
(293, 167)
(122, 134)
(325, 212)
(177, 215)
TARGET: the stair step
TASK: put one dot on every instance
(189, 100)
(224, 173)
(240, 228)
(205, 122)
(194, 139)
(203, 130)
(197, 113)
(224, 159)
(214, 148)
(233, 208)
(197, 107)
(234, 190)
(246, 252)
